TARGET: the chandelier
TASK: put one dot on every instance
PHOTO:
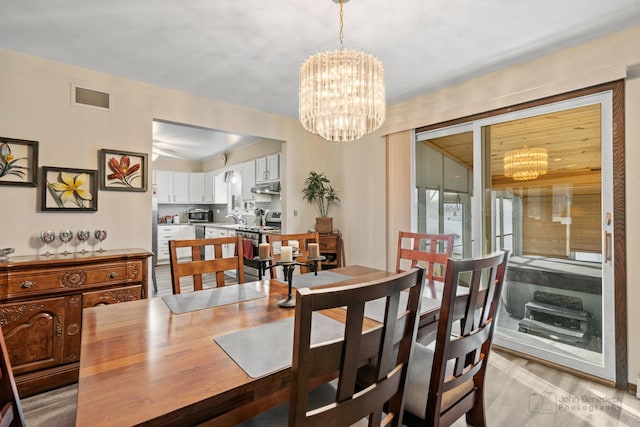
(342, 95)
(526, 163)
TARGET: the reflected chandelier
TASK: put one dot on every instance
(526, 163)
(342, 94)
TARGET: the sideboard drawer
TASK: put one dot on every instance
(111, 296)
(114, 273)
(35, 282)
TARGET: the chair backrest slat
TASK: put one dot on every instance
(196, 267)
(430, 251)
(356, 348)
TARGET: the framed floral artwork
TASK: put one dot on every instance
(66, 189)
(123, 170)
(18, 162)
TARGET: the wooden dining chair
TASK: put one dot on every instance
(430, 251)
(388, 345)
(447, 383)
(10, 408)
(303, 240)
(195, 267)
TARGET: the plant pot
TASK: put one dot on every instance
(324, 224)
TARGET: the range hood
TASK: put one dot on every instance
(267, 188)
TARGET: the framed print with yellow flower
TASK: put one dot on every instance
(18, 162)
(69, 189)
(123, 170)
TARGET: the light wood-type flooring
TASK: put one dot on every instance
(518, 393)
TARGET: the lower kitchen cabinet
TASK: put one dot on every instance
(173, 232)
(41, 303)
(331, 247)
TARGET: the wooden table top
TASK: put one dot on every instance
(142, 364)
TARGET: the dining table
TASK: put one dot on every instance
(163, 361)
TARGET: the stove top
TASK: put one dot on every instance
(258, 229)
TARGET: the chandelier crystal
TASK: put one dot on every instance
(342, 93)
(526, 163)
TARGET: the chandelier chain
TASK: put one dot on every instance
(341, 27)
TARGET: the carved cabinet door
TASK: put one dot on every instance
(33, 331)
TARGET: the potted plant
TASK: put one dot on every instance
(318, 191)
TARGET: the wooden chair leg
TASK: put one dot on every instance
(475, 417)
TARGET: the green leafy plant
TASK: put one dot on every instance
(318, 191)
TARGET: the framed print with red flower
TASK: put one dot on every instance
(18, 162)
(123, 170)
(66, 189)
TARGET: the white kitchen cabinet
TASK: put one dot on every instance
(181, 187)
(221, 189)
(209, 187)
(268, 168)
(172, 187)
(164, 186)
(248, 171)
(173, 232)
(196, 187)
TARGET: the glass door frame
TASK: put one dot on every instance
(483, 242)
(618, 237)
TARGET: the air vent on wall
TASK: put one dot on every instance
(90, 97)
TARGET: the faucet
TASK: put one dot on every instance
(237, 218)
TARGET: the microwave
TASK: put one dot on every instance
(200, 215)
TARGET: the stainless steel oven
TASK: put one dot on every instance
(200, 215)
(257, 235)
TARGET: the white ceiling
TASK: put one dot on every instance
(248, 52)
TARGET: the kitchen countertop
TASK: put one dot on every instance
(201, 224)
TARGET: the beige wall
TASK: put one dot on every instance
(35, 105)
(599, 61)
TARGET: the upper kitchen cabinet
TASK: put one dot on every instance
(209, 187)
(268, 168)
(164, 186)
(221, 189)
(196, 187)
(181, 187)
(248, 171)
(172, 187)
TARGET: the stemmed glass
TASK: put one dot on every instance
(65, 237)
(101, 234)
(47, 237)
(83, 236)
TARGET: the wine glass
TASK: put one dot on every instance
(65, 237)
(101, 234)
(83, 236)
(47, 237)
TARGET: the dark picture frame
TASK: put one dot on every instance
(122, 170)
(18, 162)
(69, 189)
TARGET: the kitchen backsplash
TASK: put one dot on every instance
(219, 211)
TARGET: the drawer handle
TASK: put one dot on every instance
(113, 275)
(27, 284)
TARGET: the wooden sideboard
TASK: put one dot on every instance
(331, 247)
(41, 302)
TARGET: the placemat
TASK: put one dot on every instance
(375, 309)
(207, 298)
(267, 348)
(310, 280)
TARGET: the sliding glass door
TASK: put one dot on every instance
(540, 185)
